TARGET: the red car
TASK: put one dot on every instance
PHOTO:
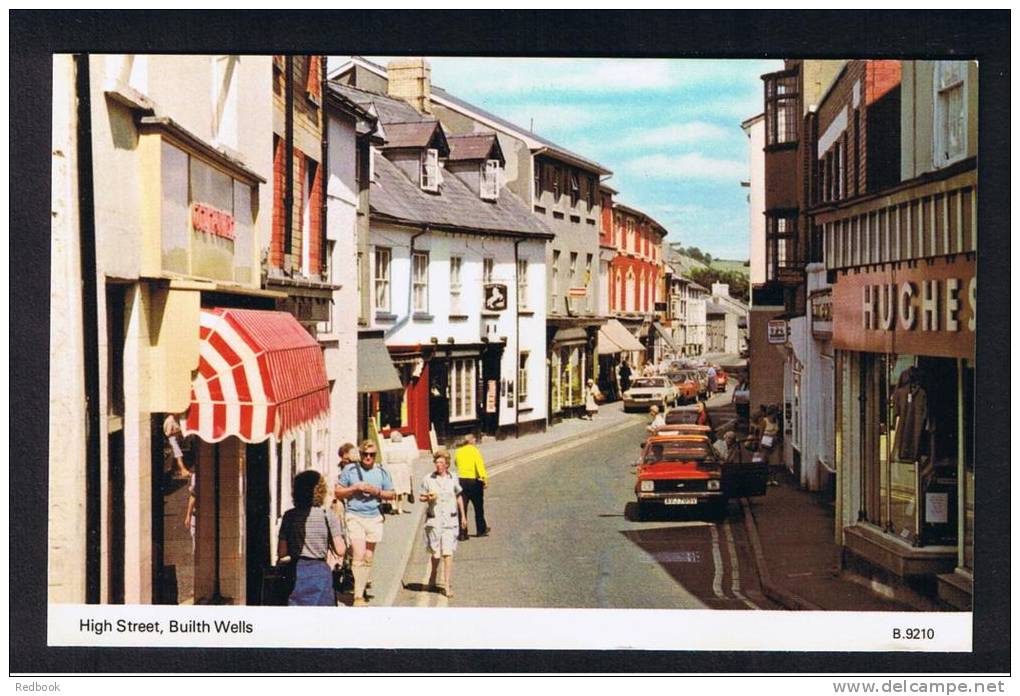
(678, 470)
(720, 379)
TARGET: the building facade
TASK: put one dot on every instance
(900, 250)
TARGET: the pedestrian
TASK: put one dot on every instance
(712, 375)
(191, 510)
(625, 374)
(591, 396)
(364, 486)
(742, 401)
(727, 448)
(657, 419)
(442, 493)
(473, 480)
(398, 466)
(307, 533)
(173, 434)
(769, 440)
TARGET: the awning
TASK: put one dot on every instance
(614, 338)
(570, 335)
(260, 374)
(665, 335)
(376, 372)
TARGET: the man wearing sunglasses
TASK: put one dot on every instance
(364, 486)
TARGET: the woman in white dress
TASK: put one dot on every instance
(398, 465)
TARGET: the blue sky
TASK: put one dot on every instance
(668, 129)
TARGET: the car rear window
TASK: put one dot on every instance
(678, 416)
(647, 383)
(678, 452)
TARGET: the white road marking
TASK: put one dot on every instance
(716, 564)
(735, 564)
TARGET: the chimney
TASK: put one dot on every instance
(410, 79)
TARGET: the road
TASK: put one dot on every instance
(565, 536)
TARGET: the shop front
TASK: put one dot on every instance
(258, 415)
(571, 365)
(904, 340)
(614, 345)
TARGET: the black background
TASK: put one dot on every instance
(34, 36)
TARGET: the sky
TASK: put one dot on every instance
(668, 129)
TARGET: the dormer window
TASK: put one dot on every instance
(490, 180)
(430, 169)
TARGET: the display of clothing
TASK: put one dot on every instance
(910, 409)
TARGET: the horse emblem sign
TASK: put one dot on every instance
(495, 296)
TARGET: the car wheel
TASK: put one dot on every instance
(643, 511)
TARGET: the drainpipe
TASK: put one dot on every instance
(90, 328)
(288, 148)
(324, 168)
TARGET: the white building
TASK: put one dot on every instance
(457, 281)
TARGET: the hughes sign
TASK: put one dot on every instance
(925, 309)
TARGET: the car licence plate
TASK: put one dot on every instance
(681, 500)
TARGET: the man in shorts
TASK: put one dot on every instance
(442, 492)
(364, 486)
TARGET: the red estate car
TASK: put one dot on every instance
(678, 469)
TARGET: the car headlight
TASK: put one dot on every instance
(647, 486)
(713, 484)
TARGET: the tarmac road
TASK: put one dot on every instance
(565, 535)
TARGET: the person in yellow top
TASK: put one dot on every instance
(473, 481)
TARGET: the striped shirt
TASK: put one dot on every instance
(306, 529)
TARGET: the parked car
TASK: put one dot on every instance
(720, 379)
(678, 470)
(687, 385)
(646, 392)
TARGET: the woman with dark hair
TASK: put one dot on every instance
(307, 532)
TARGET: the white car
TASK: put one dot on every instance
(646, 392)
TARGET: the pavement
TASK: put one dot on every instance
(798, 560)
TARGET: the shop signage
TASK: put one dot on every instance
(205, 218)
(927, 308)
(777, 331)
(578, 292)
(790, 275)
(495, 296)
(821, 315)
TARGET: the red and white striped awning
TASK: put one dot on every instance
(260, 374)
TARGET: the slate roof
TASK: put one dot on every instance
(456, 206)
(474, 146)
(389, 110)
(417, 134)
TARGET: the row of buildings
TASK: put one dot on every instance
(864, 230)
(286, 258)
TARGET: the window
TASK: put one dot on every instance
(781, 108)
(522, 284)
(538, 178)
(556, 182)
(631, 237)
(488, 266)
(490, 180)
(590, 193)
(950, 111)
(430, 169)
(306, 217)
(462, 389)
(575, 188)
(555, 286)
(587, 281)
(455, 263)
(382, 279)
(573, 269)
(522, 379)
(631, 294)
(779, 245)
(420, 281)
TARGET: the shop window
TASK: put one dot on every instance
(950, 111)
(382, 279)
(522, 379)
(554, 381)
(462, 389)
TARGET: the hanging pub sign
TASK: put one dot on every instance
(926, 308)
(777, 331)
(495, 297)
(821, 314)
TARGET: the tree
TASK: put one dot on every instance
(739, 287)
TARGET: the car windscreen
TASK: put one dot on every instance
(645, 383)
(678, 452)
(681, 416)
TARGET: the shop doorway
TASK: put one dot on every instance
(488, 407)
(257, 520)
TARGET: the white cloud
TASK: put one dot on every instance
(692, 165)
(548, 118)
(678, 134)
